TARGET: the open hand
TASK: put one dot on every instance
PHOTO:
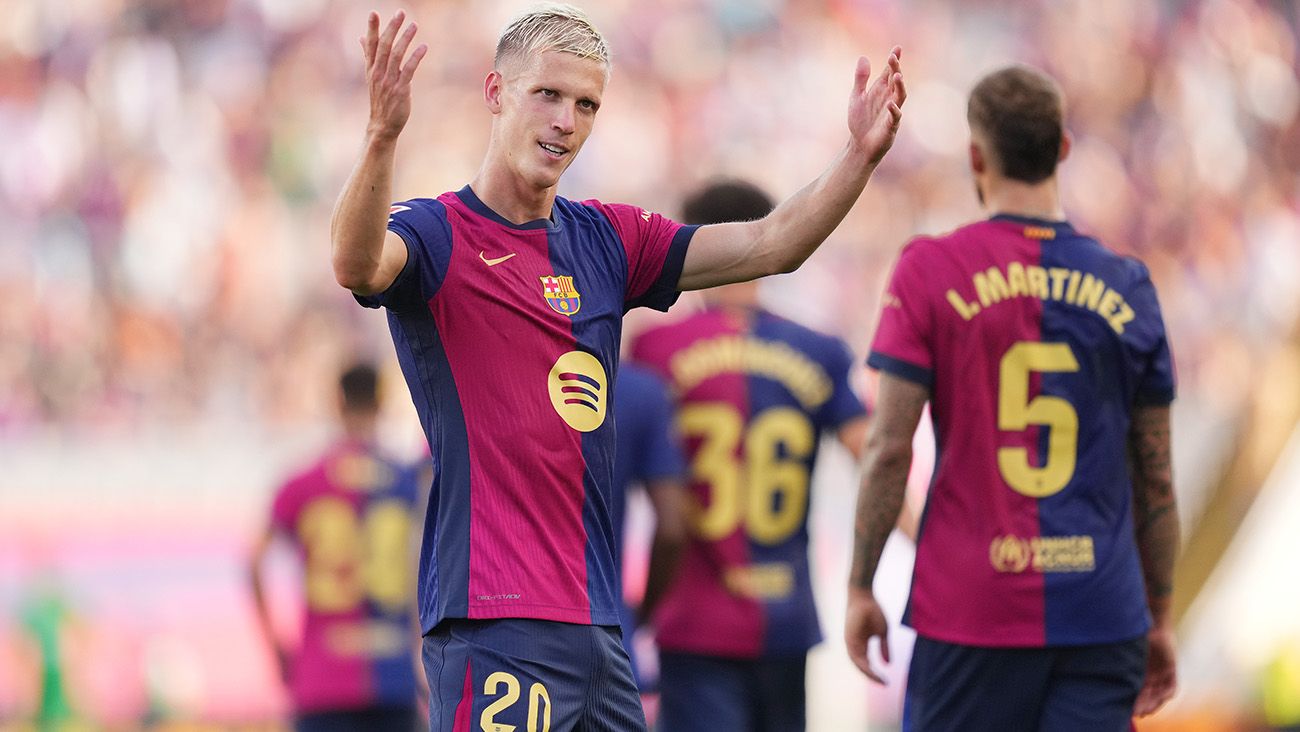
(863, 621)
(1162, 676)
(388, 79)
(875, 110)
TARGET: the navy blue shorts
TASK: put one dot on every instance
(379, 719)
(525, 674)
(709, 694)
(1061, 689)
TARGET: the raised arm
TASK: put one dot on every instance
(782, 240)
(1156, 521)
(367, 257)
(884, 482)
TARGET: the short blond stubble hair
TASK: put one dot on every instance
(552, 27)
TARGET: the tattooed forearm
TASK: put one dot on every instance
(880, 500)
(884, 479)
(1154, 507)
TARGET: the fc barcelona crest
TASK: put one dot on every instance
(561, 295)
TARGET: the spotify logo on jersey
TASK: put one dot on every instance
(579, 390)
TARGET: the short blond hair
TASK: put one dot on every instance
(552, 27)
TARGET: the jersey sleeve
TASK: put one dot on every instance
(902, 346)
(656, 250)
(422, 224)
(1157, 378)
(662, 454)
(844, 403)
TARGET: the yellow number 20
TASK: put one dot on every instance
(1016, 412)
(539, 704)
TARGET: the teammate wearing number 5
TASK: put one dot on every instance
(351, 517)
(754, 394)
(1041, 588)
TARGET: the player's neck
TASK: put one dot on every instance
(1030, 200)
(360, 429)
(512, 198)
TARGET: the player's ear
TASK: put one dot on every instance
(492, 90)
(977, 162)
(1066, 142)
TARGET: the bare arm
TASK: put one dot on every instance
(668, 496)
(1156, 521)
(782, 240)
(367, 258)
(884, 481)
(853, 436)
(257, 585)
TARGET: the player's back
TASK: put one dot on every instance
(754, 394)
(351, 517)
(1036, 343)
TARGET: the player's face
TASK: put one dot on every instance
(547, 107)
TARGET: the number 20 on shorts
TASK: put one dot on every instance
(539, 704)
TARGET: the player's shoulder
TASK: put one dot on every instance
(1127, 265)
(924, 249)
(305, 479)
(619, 214)
(419, 215)
(800, 336)
(415, 206)
(673, 332)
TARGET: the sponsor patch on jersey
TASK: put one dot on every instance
(1013, 554)
(579, 390)
(560, 294)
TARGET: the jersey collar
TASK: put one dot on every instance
(1062, 228)
(475, 204)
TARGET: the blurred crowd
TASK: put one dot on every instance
(169, 167)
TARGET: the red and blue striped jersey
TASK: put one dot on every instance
(508, 336)
(351, 517)
(754, 394)
(1036, 343)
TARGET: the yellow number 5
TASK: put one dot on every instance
(1016, 412)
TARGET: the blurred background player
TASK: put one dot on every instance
(1044, 564)
(648, 456)
(755, 393)
(505, 303)
(351, 517)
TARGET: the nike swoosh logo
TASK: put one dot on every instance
(494, 262)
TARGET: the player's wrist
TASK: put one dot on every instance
(382, 136)
(858, 592)
(860, 157)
